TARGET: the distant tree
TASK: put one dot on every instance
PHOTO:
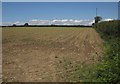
(97, 19)
(14, 25)
(52, 24)
(93, 24)
(26, 24)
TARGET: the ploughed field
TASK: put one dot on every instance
(49, 54)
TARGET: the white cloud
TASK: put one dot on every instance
(34, 20)
(11, 23)
(39, 22)
(17, 22)
(91, 22)
(64, 20)
(0, 23)
(55, 22)
(61, 22)
(108, 19)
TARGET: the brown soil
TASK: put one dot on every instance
(40, 55)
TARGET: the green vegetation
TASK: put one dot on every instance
(109, 70)
(97, 19)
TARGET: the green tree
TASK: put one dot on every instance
(26, 24)
(14, 25)
(97, 19)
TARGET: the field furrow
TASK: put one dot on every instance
(49, 54)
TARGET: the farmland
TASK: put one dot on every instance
(50, 54)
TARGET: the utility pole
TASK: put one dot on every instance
(96, 16)
(96, 11)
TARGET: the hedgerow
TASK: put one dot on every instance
(108, 70)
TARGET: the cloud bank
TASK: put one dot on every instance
(54, 22)
(60, 22)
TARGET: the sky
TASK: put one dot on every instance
(60, 0)
(75, 13)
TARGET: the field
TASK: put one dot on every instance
(50, 54)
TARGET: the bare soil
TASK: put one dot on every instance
(48, 54)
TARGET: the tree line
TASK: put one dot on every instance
(27, 25)
(97, 19)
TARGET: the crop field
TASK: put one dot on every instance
(49, 54)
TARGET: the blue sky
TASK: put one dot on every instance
(60, 0)
(25, 11)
